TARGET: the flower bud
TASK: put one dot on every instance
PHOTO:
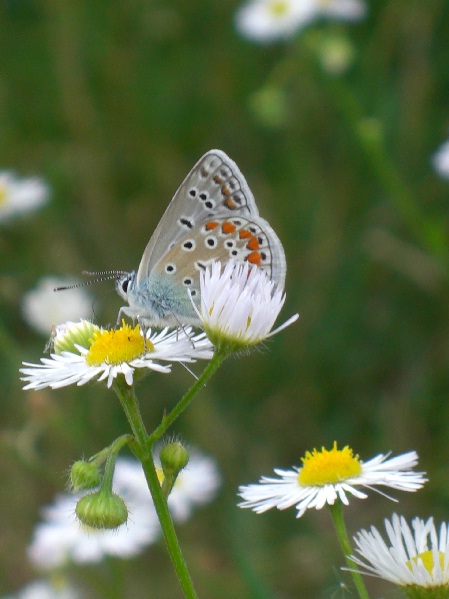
(174, 457)
(102, 509)
(73, 332)
(84, 475)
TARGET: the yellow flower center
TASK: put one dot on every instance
(3, 194)
(427, 559)
(117, 346)
(328, 467)
(160, 475)
(278, 8)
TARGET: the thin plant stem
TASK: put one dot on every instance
(336, 511)
(143, 451)
(168, 419)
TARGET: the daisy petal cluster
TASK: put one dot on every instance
(20, 195)
(239, 305)
(414, 557)
(60, 538)
(85, 352)
(327, 476)
(42, 308)
(268, 20)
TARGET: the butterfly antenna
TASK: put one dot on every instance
(103, 275)
(189, 371)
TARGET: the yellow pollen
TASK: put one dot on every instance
(117, 346)
(325, 467)
(278, 8)
(427, 559)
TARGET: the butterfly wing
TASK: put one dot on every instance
(239, 238)
(214, 188)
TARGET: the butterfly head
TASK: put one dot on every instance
(124, 282)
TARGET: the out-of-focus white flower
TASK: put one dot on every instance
(196, 485)
(440, 160)
(20, 195)
(60, 538)
(45, 589)
(268, 20)
(43, 308)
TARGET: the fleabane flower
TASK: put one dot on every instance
(415, 557)
(265, 21)
(42, 307)
(20, 195)
(327, 476)
(84, 352)
(239, 305)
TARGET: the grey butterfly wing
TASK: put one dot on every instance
(242, 239)
(214, 188)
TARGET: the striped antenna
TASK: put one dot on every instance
(102, 275)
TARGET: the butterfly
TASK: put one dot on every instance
(212, 216)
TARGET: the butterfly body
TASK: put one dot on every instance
(212, 216)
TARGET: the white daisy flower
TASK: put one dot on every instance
(46, 589)
(268, 20)
(440, 160)
(20, 195)
(104, 354)
(61, 538)
(327, 476)
(415, 556)
(239, 305)
(43, 308)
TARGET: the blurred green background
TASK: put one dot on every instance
(112, 103)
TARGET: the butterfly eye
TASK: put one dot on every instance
(124, 285)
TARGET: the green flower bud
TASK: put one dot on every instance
(84, 475)
(174, 457)
(102, 509)
(73, 332)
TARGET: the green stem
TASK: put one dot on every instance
(340, 527)
(207, 373)
(143, 450)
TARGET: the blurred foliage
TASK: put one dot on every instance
(112, 103)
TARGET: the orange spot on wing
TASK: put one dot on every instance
(254, 258)
(253, 244)
(230, 204)
(245, 234)
(228, 228)
(211, 225)
(218, 179)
